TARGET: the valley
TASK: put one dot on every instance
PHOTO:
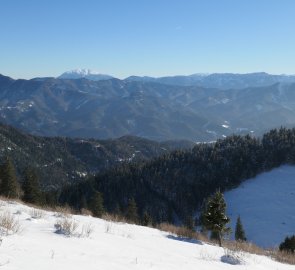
(61, 160)
(147, 135)
(111, 108)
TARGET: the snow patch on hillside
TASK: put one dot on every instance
(110, 246)
(266, 205)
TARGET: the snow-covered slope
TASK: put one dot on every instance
(110, 246)
(84, 73)
(266, 205)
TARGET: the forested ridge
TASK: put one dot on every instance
(60, 160)
(173, 186)
(169, 187)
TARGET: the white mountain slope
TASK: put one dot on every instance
(266, 205)
(84, 73)
(110, 246)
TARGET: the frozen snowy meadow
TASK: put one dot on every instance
(109, 245)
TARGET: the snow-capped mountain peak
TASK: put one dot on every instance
(84, 73)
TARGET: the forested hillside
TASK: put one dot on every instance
(61, 160)
(162, 184)
(176, 184)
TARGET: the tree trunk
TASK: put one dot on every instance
(219, 239)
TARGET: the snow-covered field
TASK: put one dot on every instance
(266, 205)
(110, 246)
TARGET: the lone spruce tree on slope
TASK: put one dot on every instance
(215, 218)
(96, 204)
(9, 186)
(31, 187)
(131, 213)
(239, 231)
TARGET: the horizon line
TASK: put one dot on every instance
(205, 74)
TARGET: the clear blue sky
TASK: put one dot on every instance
(146, 37)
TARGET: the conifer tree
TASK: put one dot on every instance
(201, 220)
(146, 219)
(239, 231)
(189, 222)
(117, 210)
(96, 204)
(9, 186)
(31, 187)
(215, 218)
(288, 245)
(132, 214)
(83, 202)
(170, 214)
(214, 236)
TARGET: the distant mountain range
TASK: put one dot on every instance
(157, 109)
(220, 80)
(213, 80)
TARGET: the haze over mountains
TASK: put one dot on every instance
(199, 107)
(208, 80)
(220, 80)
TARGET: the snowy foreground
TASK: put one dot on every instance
(266, 205)
(110, 246)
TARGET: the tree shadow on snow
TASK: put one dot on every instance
(184, 239)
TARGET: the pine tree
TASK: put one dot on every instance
(96, 204)
(170, 212)
(288, 245)
(9, 186)
(146, 219)
(31, 187)
(50, 198)
(83, 202)
(239, 231)
(201, 220)
(215, 218)
(132, 214)
(189, 222)
(214, 236)
(117, 210)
